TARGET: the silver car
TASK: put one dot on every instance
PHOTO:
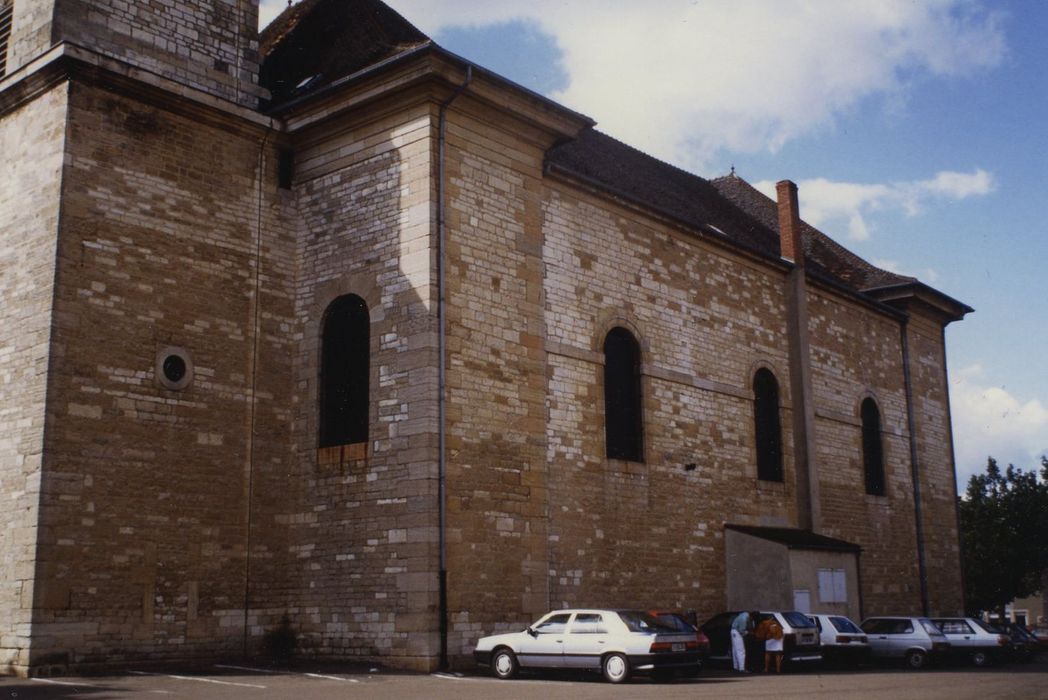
(842, 640)
(617, 643)
(973, 639)
(915, 639)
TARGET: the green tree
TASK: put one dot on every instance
(1004, 535)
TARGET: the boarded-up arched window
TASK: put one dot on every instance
(345, 367)
(623, 411)
(872, 450)
(767, 426)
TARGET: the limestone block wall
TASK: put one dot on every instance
(32, 140)
(364, 553)
(496, 401)
(211, 45)
(706, 320)
(856, 353)
(146, 517)
(935, 459)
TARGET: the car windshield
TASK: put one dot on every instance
(796, 619)
(638, 621)
(675, 621)
(843, 624)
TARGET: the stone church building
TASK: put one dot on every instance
(327, 328)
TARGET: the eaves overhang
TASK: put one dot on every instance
(795, 538)
(919, 296)
(430, 62)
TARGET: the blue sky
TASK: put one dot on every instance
(917, 133)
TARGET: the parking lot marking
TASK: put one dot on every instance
(331, 678)
(198, 679)
(288, 673)
(48, 680)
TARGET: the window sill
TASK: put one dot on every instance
(771, 486)
(343, 455)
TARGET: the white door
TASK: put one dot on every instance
(802, 600)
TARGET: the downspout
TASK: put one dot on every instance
(911, 421)
(252, 408)
(442, 505)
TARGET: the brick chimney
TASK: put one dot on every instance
(790, 245)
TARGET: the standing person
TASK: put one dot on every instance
(740, 627)
(771, 632)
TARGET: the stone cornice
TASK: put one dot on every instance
(70, 62)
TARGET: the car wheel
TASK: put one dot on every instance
(980, 659)
(916, 659)
(504, 664)
(616, 668)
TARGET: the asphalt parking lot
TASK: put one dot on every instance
(247, 682)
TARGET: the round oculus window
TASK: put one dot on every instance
(174, 368)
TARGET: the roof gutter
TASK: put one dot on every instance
(442, 465)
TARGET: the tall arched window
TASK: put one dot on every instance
(872, 451)
(345, 368)
(767, 426)
(623, 413)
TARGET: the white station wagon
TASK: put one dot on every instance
(617, 643)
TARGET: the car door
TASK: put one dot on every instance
(543, 646)
(888, 636)
(959, 633)
(586, 640)
(903, 637)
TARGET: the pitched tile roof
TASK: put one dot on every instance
(729, 207)
(840, 262)
(314, 42)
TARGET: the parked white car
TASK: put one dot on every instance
(915, 639)
(618, 643)
(842, 640)
(973, 639)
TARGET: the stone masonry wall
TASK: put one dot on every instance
(365, 533)
(211, 45)
(936, 465)
(651, 534)
(32, 141)
(856, 353)
(496, 410)
(145, 516)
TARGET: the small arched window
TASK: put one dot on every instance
(345, 368)
(872, 451)
(767, 426)
(623, 412)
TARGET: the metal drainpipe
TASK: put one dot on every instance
(922, 570)
(253, 406)
(442, 505)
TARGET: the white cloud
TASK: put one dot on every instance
(825, 202)
(928, 275)
(684, 80)
(990, 421)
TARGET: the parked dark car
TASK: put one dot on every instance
(1022, 644)
(685, 622)
(800, 637)
(1041, 633)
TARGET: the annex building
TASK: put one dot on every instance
(330, 326)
